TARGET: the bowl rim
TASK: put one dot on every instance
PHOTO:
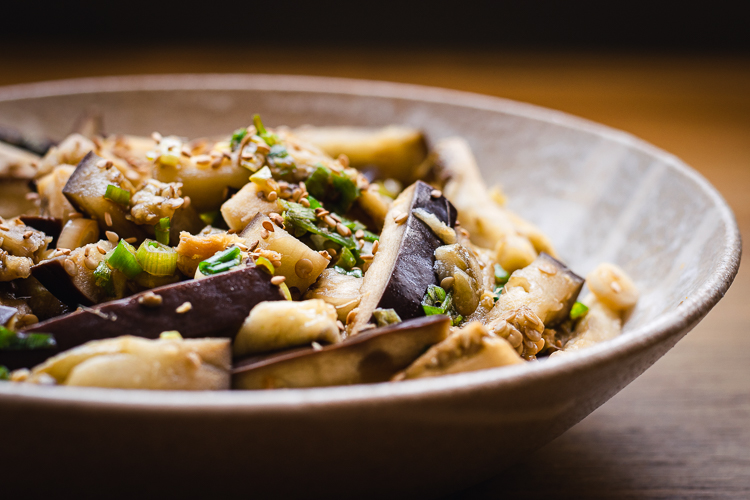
(686, 315)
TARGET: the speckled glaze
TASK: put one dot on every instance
(599, 193)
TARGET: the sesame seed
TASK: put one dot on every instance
(401, 218)
(4, 227)
(329, 221)
(367, 257)
(279, 220)
(217, 162)
(436, 193)
(268, 225)
(186, 152)
(352, 315)
(296, 194)
(333, 252)
(304, 202)
(343, 230)
(86, 252)
(264, 233)
(202, 159)
(615, 286)
(375, 246)
(108, 219)
(131, 240)
(194, 358)
(70, 267)
(64, 251)
(447, 282)
(325, 254)
(359, 234)
(253, 245)
(112, 237)
(336, 217)
(231, 231)
(344, 160)
(185, 307)
(241, 247)
(340, 325)
(104, 164)
(316, 346)
(90, 263)
(546, 269)
(303, 268)
(273, 196)
(75, 215)
(186, 202)
(32, 196)
(27, 235)
(277, 280)
(150, 299)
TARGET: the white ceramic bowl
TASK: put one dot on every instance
(599, 193)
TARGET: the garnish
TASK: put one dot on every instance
(266, 264)
(336, 188)
(162, 231)
(103, 278)
(346, 259)
(279, 157)
(209, 218)
(271, 139)
(237, 137)
(123, 259)
(117, 194)
(304, 220)
(170, 335)
(156, 258)
(221, 261)
(437, 301)
(385, 317)
(501, 278)
(579, 310)
(357, 272)
(11, 340)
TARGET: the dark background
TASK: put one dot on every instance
(531, 24)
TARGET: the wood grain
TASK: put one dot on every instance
(679, 431)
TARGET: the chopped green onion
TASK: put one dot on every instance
(317, 183)
(156, 258)
(431, 310)
(4, 373)
(271, 139)
(265, 263)
(457, 320)
(261, 178)
(237, 138)
(357, 272)
(170, 335)
(436, 301)
(117, 194)
(16, 341)
(313, 202)
(579, 310)
(221, 261)
(346, 259)
(103, 278)
(285, 291)
(335, 187)
(162, 231)
(385, 317)
(501, 275)
(123, 259)
(209, 218)
(304, 220)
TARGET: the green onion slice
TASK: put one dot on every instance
(103, 278)
(266, 264)
(357, 273)
(346, 259)
(117, 194)
(16, 341)
(579, 310)
(157, 258)
(123, 259)
(162, 231)
(221, 261)
(237, 137)
(385, 317)
(271, 139)
(285, 291)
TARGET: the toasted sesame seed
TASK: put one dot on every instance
(108, 219)
(375, 246)
(367, 257)
(27, 235)
(329, 221)
(325, 254)
(4, 227)
(304, 202)
(112, 237)
(185, 151)
(436, 193)
(104, 164)
(401, 218)
(231, 231)
(241, 246)
(316, 346)
(185, 307)
(277, 280)
(64, 251)
(333, 252)
(264, 233)
(253, 245)
(202, 159)
(131, 240)
(279, 220)
(70, 267)
(447, 282)
(352, 315)
(343, 230)
(340, 325)
(90, 263)
(150, 299)
(547, 269)
(75, 215)
(303, 268)
(359, 234)
(336, 217)
(217, 162)
(87, 251)
(273, 196)
(156, 136)
(29, 319)
(194, 358)
(344, 160)
(268, 225)
(276, 263)
(296, 194)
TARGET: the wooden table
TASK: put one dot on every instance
(682, 430)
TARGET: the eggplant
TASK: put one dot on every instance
(85, 191)
(218, 305)
(16, 163)
(13, 198)
(370, 357)
(394, 151)
(51, 226)
(6, 313)
(33, 144)
(403, 266)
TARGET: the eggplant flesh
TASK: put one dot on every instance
(218, 305)
(373, 356)
(403, 267)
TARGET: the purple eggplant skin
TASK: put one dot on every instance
(577, 283)
(219, 305)
(51, 226)
(413, 271)
(52, 275)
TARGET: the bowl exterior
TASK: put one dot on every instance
(599, 193)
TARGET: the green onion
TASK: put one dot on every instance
(346, 260)
(4, 373)
(501, 278)
(304, 220)
(336, 188)
(103, 278)
(457, 320)
(357, 273)
(209, 218)
(156, 258)
(162, 231)
(117, 194)
(271, 139)
(317, 183)
(261, 178)
(170, 335)
(436, 301)
(385, 317)
(221, 261)
(285, 291)
(265, 263)
(237, 137)
(123, 259)
(16, 341)
(313, 202)
(579, 310)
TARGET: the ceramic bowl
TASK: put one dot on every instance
(600, 194)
